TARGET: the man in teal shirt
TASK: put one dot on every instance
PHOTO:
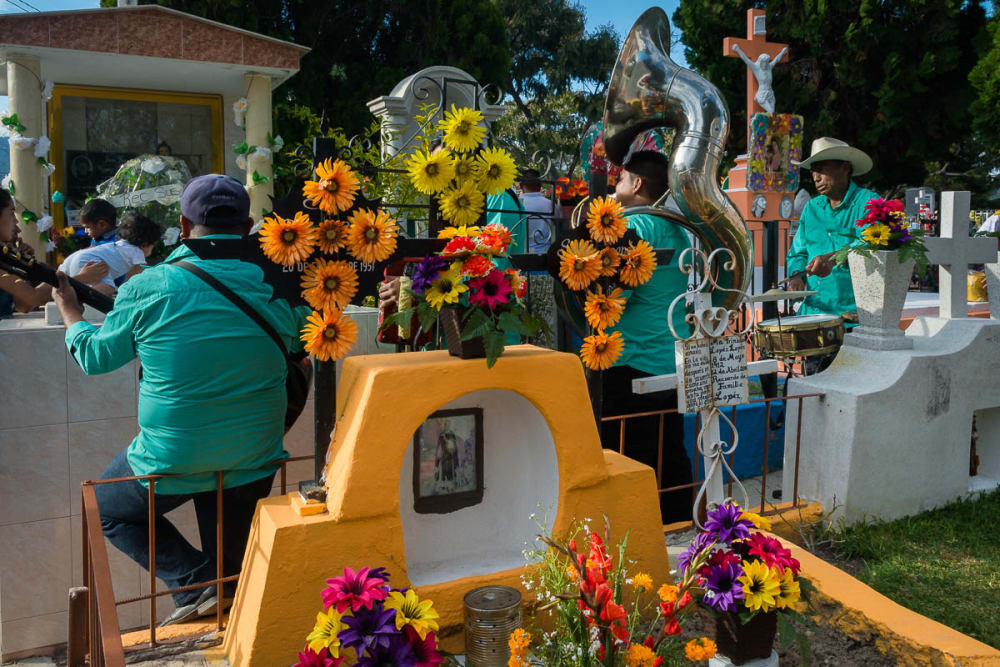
(649, 343)
(211, 396)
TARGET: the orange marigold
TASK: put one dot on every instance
(336, 188)
(638, 264)
(605, 221)
(578, 264)
(602, 350)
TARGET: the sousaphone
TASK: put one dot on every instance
(649, 90)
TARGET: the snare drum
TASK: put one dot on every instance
(799, 335)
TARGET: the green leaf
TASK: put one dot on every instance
(477, 324)
(11, 188)
(427, 315)
(241, 148)
(493, 341)
(400, 318)
(510, 321)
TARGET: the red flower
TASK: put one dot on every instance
(491, 290)
(673, 627)
(476, 266)
(648, 641)
(499, 231)
(684, 601)
(719, 558)
(770, 550)
(459, 245)
(659, 662)
(580, 188)
(667, 609)
(520, 287)
(491, 244)
(563, 188)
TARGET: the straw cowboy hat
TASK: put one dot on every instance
(828, 148)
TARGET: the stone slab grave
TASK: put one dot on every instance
(891, 436)
(541, 454)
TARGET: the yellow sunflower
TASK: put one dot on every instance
(465, 168)
(335, 189)
(604, 310)
(461, 205)
(638, 264)
(430, 173)
(447, 288)
(287, 242)
(371, 237)
(462, 230)
(760, 586)
(757, 520)
(605, 221)
(789, 591)
(462, 129)
(329, 335)
(610, 259)
(601, 350)
(410, 610)
(329, 285)
(324, 634)
(331, 235)
(496, 170)
(877, 234)
(579, 264)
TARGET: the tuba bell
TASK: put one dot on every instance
(649, 90)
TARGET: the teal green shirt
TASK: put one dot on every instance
(212, 393)
(649, 345)
(511, 215)
(823, 229)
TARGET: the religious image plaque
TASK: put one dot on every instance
(448, 461)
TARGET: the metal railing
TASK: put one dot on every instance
(695, 463)
(102, 644)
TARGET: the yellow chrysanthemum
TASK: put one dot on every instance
(760, 586)
(601, 350)
(519, 642)
(324, 634)
(642, 582)
(610, 259)
(700, 649)
(329, 285)
(464, 167)
(639, 656)
(877, 234)
(605, 221)
(430, 173)
(462, 204)
(667, 593)
(471, 231)
(757, 520)
(331, 235)
(330, 335)
(789, 591)
(446, 289)
(496, 170)
(579, 264)
(638, 264)
(411, 611)
(371, 237)
(336, 188)
(604, 310)
(462, 129)
(571, 572)
(288, 242)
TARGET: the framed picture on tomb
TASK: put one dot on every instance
(448, 461)
(775, 145)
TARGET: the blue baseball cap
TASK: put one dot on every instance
(202, 194)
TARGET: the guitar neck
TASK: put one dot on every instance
(30, 269)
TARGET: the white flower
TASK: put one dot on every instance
(241, 161)
(171, 235)
(44, 223)
(42, 146)
(262, 154)
(6, 182)
(50, 246)
(239, 111)
(47, 91)
(153, 165)
(17, 142)
(48, 169)
(278, 143)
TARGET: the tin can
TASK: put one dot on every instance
(491, 614)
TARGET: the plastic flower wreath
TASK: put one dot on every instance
(885, 227)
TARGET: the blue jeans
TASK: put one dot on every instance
(124, 510)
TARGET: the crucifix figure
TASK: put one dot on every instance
(761, 69)
(760, 57)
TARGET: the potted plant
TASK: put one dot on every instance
(881, 263)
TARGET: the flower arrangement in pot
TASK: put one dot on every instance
(885, 227)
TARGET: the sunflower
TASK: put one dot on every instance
(578, 264)
(602, 350)
(496, 170)
(329, 335)
(331, 235)
(610, 259)
(446, 289)
(329, 285)
(638, 264)
(877, 235)
(760, 586)
(462, 129)
(789, 591)
(605, 221)
(371, 236)
(430, 173)
(463, 230)
(287, 242)
(603, 310)
(464, 167)
(462, 204)
(335, 189)
(411, 610)
(324, 634)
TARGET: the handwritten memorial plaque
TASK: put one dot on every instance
(711, 372)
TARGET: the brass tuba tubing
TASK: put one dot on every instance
(649, 90)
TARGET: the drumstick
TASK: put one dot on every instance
(797, 275)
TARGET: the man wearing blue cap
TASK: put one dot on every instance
(211, 395)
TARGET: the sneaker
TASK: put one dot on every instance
(205, 604)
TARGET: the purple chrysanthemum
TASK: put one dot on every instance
(427, 272)
(367, 630)
(725, 525)
(722, 588)
(700, 543)
(397, 653)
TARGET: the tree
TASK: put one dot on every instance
(889, 76)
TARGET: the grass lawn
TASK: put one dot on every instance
(944, 564)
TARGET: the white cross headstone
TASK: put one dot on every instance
(954, 251)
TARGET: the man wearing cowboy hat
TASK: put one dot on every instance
(827, 224)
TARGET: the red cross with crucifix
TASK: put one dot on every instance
(752, 48)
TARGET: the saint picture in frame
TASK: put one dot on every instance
(448, 461)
